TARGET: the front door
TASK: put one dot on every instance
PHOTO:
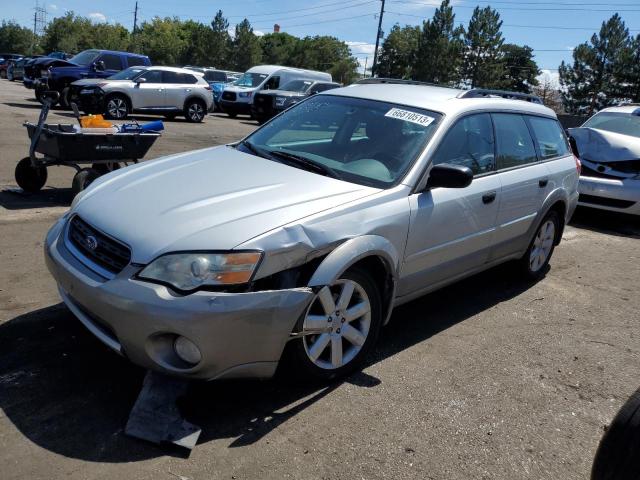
(150, 93)
(451, 229)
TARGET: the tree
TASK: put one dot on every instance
(111, 37)
(482, 46)
(278, 48)
(221, 44)
(439, 50)
(398, 52)
(14, 38)
(246, 46)
(597, 77)
(549, 94)
(163, 40)
(631, 71)
(69, 33)
(519, 69)
(197, 48)
(345, 70)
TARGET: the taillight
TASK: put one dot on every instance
(208, 87)
(578, 164)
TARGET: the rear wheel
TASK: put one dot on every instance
(536, 259)
(117, 107)
(29, 178)
(232, 114)
(83, 179)
(339, 328)
(195, 111)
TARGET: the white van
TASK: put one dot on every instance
(238, 96)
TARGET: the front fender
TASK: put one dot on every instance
(349, 253)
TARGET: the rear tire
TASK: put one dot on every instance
(535, 260)
(352, 329)
(117, 107)
(195, 111)
(29, 178)
(83, 179)
(619, 450)
(232, 114)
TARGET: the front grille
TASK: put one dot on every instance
(605, 202)
(231, 96)
(106, 252)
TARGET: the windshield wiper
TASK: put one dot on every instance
(305, 163)
(255, 150)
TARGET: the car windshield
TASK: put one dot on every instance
(250, 79)
(127, 74)
(362, 141)
(296, 86)
(617, 122)
(85, 58)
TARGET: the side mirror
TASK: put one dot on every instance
(140, 80)
(449, 176)
(99, 66)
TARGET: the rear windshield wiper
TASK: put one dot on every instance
(305, 163)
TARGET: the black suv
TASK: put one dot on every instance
(269, 103)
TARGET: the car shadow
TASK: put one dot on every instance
(24, 105)
(17, 199)
(604, 221)
(69, 394)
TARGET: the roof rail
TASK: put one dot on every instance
(485, 92)
(375, 80)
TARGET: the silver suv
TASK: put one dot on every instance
(160, 90)
(295, 244)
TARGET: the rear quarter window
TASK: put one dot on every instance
(549, 137)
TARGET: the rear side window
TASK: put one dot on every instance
(111, 62)
(514, 146)
(136, 61)
(215, 76)
(469, 143)
(152, 76)
(549, 138)
(186, 78)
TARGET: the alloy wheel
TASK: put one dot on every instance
(117, 108)
(542, 245)
(337, 324)
(196, 112)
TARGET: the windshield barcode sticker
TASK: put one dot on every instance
(408, 116)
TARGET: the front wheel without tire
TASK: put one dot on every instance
(83, 179)
(338, 329)
(535, 260)
(29, 178)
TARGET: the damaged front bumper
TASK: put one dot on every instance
(238, 334)
(618, 195)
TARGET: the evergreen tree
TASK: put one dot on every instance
(398, 52)
(482, 48)
(278, 48)
(246, 45)
(220, 44)
(597, 77)
(631, 71)
(519, 69)
(439, 48)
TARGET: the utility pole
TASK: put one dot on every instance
(379, 34)
(39, 24)
(135, 18)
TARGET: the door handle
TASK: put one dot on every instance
(488, 197)
(543, 183)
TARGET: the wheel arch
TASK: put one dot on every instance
(194, 97)
(373, 253)
(118, 93)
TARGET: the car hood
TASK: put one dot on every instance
(603, 146)
(90, 82)
(216, 199)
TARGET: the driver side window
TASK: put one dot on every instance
(152, 76)
(469, 143)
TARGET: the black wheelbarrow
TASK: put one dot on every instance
(64, 145)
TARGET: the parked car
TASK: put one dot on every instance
(160, 90)
(218, 79)
(608, 145)
(59, 74)
(296, 243)
(238, 97)
(11, 69)
(269, 103)
(28, 77)
(5, 60)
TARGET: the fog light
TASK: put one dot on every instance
(187, 350)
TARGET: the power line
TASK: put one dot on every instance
(578, 9)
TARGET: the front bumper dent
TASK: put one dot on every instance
(238, 334)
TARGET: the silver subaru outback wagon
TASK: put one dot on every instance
(294, 245)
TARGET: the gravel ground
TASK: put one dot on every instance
(492, 378)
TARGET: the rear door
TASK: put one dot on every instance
(178, 86)
(451, 229)
(149, 94)
(524, 179)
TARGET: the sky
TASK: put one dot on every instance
(551, 28)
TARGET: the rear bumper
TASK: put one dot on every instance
(239, 334)
(610, 194)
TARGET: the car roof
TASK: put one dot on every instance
(440, 99)
(175, 69)
(630, 108)
(115, 52)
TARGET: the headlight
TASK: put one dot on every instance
(44, 73)
(280, 101)
(245, 94)
(189, 271)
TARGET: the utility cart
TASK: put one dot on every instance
(65, 145)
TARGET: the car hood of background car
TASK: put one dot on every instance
(212, 199)
(603, 146)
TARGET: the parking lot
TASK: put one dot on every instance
(491, 378)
